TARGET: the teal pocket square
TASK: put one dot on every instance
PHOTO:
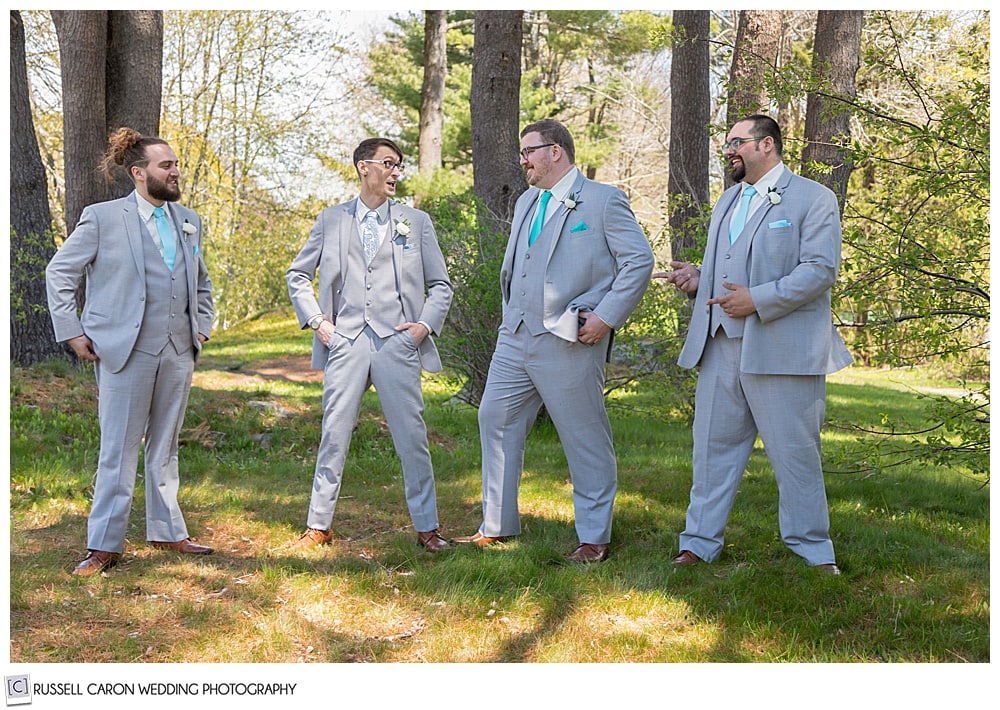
(194, 250)
(781, 223)
(581, 227)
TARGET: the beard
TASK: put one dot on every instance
(162, 190)
(738, 171)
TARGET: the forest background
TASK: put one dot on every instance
(890, 109)
(264, 108)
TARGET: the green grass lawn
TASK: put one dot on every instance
(912, 541)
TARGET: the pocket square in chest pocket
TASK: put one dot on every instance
(580, 227)
(780, 224)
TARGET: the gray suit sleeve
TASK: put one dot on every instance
(64, 272)
(634, 258)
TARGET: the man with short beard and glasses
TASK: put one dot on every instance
(148, 310)
(762, 335)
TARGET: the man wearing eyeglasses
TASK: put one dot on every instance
(577, 264)
(384, 292)
(762, 336)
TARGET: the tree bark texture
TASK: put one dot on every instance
(31, 243)
(82, 38)
(758, 43)
(826, 157)
(134, 77)
(494, 103)
(690, 113)
(432, 93)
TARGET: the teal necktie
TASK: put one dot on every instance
(536, 226)
(167, 240)
(741, 214)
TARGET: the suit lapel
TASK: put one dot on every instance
(757, 218)
(347, 230)
(133, 235)
(184, 252)
(562, 212)
(396, 244)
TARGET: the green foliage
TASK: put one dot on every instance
(26, 264)
(916, 261)
(474, 258)
(915, 276)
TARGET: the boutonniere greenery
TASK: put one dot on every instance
(189, 228)
(402, 227)
(572, 200)
(773, 196)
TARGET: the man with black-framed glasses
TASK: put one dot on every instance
(762, 337)
(384, 292)
(577, 264)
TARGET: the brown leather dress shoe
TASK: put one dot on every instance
(185, 546)
(829, 569)
(313, 538)
(686, 558)
(95, 561)
(479, 539)
(588, 553)
(431, 541)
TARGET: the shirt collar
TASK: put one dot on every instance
(362, 209)
(146, 208)
(769, 180)
(562, 188)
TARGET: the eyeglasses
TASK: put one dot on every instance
(525, 152)
(387, 164)
(735, 143)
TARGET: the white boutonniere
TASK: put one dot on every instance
(772, 196)
(402, 227)
(189, 228)
(572, 200)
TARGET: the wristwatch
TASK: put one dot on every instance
(316, 321)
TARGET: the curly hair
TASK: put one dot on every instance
(126, 148)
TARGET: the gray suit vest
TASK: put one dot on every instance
(527, 281)
(371, 295)
(731, 266)
(166, 317)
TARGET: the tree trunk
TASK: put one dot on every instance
(826, 157)
(690, 113)
(432, 93)
(82, 50)
(134, 77)
(31, 243)
(494, 105)
(758, 41)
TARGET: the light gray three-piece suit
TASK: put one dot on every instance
(593, 257)
(406, 281)
(766, 373)
(144, 322)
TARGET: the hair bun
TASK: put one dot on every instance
(120, 141)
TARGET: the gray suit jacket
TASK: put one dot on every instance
(794, 257)
(599, 259)
(107, 245)
(425, 289)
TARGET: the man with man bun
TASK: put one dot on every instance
(148, 310)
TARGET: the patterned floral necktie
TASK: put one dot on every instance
(369, 235)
